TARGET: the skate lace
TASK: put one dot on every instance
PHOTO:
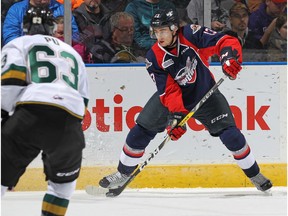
(115, 177)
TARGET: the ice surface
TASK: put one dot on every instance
(159, 202)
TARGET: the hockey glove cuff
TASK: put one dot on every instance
(229, 61)
(173, 130)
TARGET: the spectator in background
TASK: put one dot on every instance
(58, 32)
(182, 10)
(277, 45)
(219, 16)
(122, 27)
(13, 23)
(142, 11)
(262, 19)
(5, 5)
(253, 5)
(238, 18)
(116, 5)
(92, 18)
(195, 10)
(74, 3)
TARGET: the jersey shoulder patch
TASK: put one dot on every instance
(195, 28)
(148, 63)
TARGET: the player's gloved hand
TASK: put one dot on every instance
(174, 131)
(230, 65)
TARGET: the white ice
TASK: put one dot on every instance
(159, 202)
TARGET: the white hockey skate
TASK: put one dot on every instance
(113, 181)
(261, 182)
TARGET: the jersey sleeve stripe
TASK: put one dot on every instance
(14, 72)
(12, 81)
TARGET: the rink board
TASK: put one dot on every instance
(165, 176)
(117, 94)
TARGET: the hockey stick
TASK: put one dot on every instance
(94, 190)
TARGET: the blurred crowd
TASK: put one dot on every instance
(117, 31)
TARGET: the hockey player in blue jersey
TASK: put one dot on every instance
(178, 64)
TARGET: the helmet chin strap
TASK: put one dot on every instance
(173, 42)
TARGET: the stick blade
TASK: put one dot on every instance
(115, 192)
(96, 190)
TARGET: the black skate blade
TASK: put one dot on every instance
(267, 186)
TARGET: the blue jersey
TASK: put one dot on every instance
(182, 75)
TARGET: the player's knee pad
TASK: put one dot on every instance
(139, 137)
(233, 139)
(61, 190)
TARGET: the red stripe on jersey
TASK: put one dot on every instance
(173, 96)
(132, 154)
(243, 154)
(174, 101)
(159, 53)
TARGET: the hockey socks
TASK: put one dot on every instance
(137, 140)
(54, 206)
(246, 161)
(234, 140)
(129, 159)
